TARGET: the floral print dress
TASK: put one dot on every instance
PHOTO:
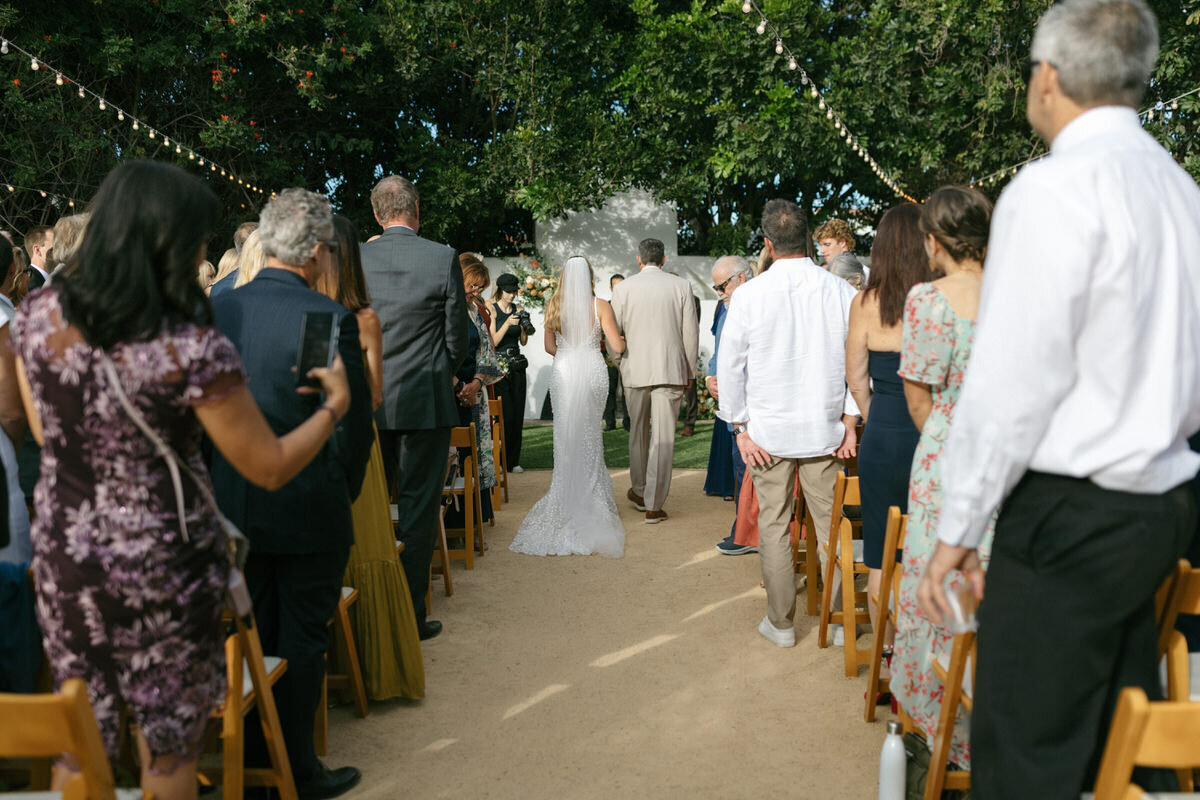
(935, 351)
(123, 601)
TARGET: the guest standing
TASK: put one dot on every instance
(939, 323)
(1075, 413)
(417, 290)
(128, 599)
(384, 623)
(300, 533)
(510, 328)
(781, 371)
(872, 359)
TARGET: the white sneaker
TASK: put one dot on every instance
(839, 635)
(780, 638)
(517, 470)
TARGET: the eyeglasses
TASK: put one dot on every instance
(1027, 68)
(720, 287)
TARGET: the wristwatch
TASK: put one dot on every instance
(739, 428)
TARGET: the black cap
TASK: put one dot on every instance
(507, 282)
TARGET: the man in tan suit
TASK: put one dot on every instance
(655, 312)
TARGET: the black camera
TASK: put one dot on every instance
(526, 324)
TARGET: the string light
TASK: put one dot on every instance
(36, 64)
(745, 10)
(778, 47)
(44, 194)
(761, 29)
(792, 63)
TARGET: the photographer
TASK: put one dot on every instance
(510, 329)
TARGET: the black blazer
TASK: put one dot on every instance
(311, 514)
(416, 289)
(36, 279)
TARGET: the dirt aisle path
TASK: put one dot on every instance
(640, 677)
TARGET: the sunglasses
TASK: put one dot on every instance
(720, 287)
(1027, 68)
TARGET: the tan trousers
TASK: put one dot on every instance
(775, 485)
(652, 413)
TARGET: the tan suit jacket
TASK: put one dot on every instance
(657, 314)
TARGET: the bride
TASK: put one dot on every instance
(578, 516)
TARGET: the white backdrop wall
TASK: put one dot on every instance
(608, 237)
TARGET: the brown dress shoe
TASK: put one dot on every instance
(654, 517)
(687, 431)
(636, 499)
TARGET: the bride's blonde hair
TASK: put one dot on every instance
(554, 306)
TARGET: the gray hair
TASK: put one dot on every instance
(1104, 50)
(848, 268)
(292, 225)
(394, 197)
(735, 264)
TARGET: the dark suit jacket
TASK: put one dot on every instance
(416, 289)
(311, 514)
(222, 286)
(36, 279)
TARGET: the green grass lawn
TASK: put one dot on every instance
(691, 452)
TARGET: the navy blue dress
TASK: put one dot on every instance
(886, 454)
(719, 480)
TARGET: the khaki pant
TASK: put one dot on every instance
(775, 485)
(652, 413)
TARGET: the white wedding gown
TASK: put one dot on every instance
(578, 516)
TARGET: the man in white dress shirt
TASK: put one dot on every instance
(781, 368)
(1082, 390)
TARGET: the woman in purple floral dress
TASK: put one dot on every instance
(939, 324)
(124, 600)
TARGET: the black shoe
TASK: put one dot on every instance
(428, 629)
(326, 783)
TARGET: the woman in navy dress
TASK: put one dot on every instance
(898, 262)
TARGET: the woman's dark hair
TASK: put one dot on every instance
(351, 284)
(136, 267)
(898, 261)
(959, 218)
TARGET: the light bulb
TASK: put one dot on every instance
(829, 114)
(135, 125)
(10, 187)
(152, 134)
(1174, 105)
(778, 47)
(178, 149)
(1150, 114)
(212, 167)
(120, 115)
(102, 105)
(761, 29)
(201, 162)
(222, 173)
(814, 92)
(58, 79)
(71, 203)
(81, 94)
(745, 10)
(33, 65)
(792, 63)
(4, 47)
(166, 142)
(821, 104)
(191, 156)
(42, 193)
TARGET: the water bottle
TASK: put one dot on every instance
(892, 764)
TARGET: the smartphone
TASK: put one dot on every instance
(318, 344)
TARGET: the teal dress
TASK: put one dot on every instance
(935, 351)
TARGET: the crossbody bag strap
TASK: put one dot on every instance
(174, 462)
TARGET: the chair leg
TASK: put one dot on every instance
(874, 682)
(849, 607)
(939, 755)
(826, 611)
(356, 679)
(446, 579)
(281, 768)
(469, 527)
(233, 723)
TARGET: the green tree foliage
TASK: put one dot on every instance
(505, 111)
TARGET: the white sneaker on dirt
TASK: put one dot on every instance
(780, 638)
(517, 470)
(839, 635)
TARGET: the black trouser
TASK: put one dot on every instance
(294, 597)
(512, 391)
(416, 461)
(1066, 622)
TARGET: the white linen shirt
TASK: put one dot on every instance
(1085, 359)
(781, 365)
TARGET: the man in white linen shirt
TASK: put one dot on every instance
(782, 372)
(1082, 390)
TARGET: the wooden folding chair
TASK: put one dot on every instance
(1181, 669)
(48, 725)
(958, 687)
(889, 591)
(809, 562)
(845, 553)
(251, 676)
(466, 487)
(1179, 593)
(496, 410)
(1162, 734)
(347, 655)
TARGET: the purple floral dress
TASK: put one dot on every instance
(123, 601)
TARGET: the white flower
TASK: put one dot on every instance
(545, 281)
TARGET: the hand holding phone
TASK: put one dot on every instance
(318, 345)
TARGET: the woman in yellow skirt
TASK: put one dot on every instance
(385, 626)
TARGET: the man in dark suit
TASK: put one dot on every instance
(300, 535)
(38, 241)
(416, 289)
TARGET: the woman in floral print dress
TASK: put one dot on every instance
(939, 323)
(126, 600)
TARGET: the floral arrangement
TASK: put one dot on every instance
(537, 281)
